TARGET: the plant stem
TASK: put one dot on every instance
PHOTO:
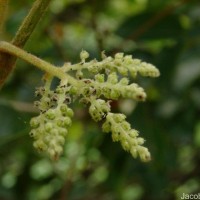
(31, 20)
(8, 48)
(3, 9)
(7, 62)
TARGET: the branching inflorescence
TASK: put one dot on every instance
(95, 83)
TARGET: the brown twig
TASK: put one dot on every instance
(7, 61)
(3, 10)
(152, 21)
(155, 19)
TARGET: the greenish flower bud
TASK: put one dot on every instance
(63, 132)
(147, 69)
(124, 81)
(39, 91)
(116, 129)
(46, 139)
(48, 126)
(60, 140)
(35, 122)
(63, 108)
(64, 122)
(133, 133)
(87, 91)
(133, 142)
(103, 55)
(119, 118)
(60, 90)
(37, 104)
(100, 78)
(40, 145)
(33, 133)
(123, 71)
(46, 100)
(126, 126)
(140, 141)
(112, 78)
(106, 127)
(128, 60)
(50, 114)
(54, 153)
(133, 72)
(144, 154)
(58, 150)
(84, 55)
(115, 137)
(93, 69)
(118, 62)
(98, 109)
(119, 55)
(55, 132)
(125, 145)
(114, 94)
(84, 100)
(73, 90)
(108, 59)
(134, 152)
(106, 92)
(70, 112)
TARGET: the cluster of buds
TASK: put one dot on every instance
(124, 65)
(121, 131)
(50, 128)
(107, 80)
(99, 109)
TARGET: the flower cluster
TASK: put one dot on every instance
(124, 65)
(121, 131)
(49, 129)
(99, 109)
(96, 83)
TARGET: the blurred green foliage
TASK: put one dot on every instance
(164, 33)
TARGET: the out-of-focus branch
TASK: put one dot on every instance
(3, 9)
(152, 22)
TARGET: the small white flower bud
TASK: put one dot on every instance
(50, 114)
(124, 81)
(125, 145)
(144, 154)
(134, 152)
(40, 145)
(35, 122)
(115, 137)
(140, 141)
(119, 55)
(106, 127)
(48, 126)
(100, 78)
(133, 133)
(112, 78)
(84, 55)
(123, 71)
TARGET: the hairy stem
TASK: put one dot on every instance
(8, 48)
(3, 9)
(7, 62)
(31, 20)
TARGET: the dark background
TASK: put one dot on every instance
(165, 33)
